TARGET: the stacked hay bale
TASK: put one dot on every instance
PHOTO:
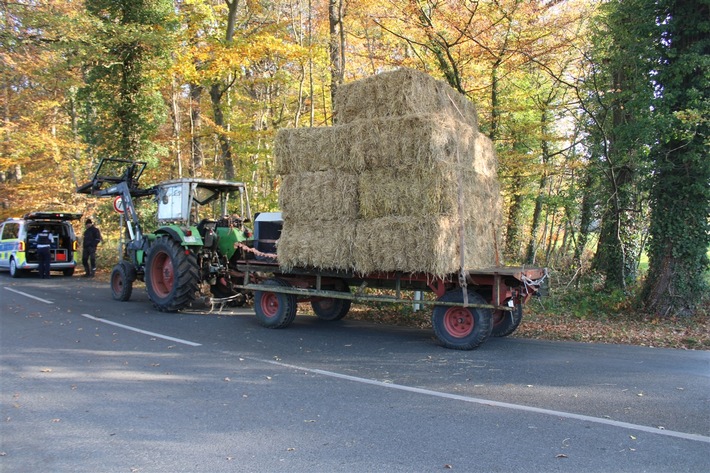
(404, 182)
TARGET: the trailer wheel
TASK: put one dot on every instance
(331, 309)
(505, 323)
(273, 309)
(171, 275)
(461, 328)
(122, 277)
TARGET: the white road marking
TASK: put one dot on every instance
(145, 332)
(29, 295)
(487, 402)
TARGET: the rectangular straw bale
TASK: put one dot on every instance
(313, 149)
(430, 245)
(418, 192)
(320, 244)
(411, 141)
(399, 93)
(423, 193)
(323, 195)
(408, 244)
(402, 142)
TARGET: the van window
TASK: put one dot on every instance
(10, 231)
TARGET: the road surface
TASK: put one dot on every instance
(94, 385)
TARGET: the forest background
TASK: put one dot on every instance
(599, 112)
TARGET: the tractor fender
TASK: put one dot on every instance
(187, 236)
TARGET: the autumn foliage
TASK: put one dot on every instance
(569, 92)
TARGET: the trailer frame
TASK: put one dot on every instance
(469, 306)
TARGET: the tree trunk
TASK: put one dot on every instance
(217, 92)
(542, 186)
(495, 102)
(225, 145)
(336, 45)
(513, 227)
(680, 198)
(175, 113)
(197, 157)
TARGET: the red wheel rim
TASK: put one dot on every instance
(269, 304)
(498, 317)
(458, 322)
(117, 283)
(162, 274)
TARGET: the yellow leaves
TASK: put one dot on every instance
(210, 61)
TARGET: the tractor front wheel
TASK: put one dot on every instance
(122, 277)
(171, 275)
(274, 309)
(458, 327)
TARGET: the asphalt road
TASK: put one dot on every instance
(94, 385)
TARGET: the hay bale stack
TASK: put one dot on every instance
(391, 186)
(399, 93)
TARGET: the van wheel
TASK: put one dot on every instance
(15, 272)
(68, 272)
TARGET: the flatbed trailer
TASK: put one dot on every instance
(467, 309)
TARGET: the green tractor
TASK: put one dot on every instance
(200, 237)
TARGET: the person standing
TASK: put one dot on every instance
(92, 238)
(44, 242)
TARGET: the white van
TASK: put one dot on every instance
(18, 246)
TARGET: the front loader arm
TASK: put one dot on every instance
(121, 178)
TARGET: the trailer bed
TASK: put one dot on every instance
(467, 308)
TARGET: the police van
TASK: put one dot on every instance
(18, 242)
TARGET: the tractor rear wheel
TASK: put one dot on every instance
(458, 327)
(122, 277)
(273, 309)
(171, 275)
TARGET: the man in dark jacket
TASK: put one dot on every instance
(92, 237)
(44, 241)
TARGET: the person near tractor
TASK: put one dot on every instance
(92, 238)
(44, 241)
